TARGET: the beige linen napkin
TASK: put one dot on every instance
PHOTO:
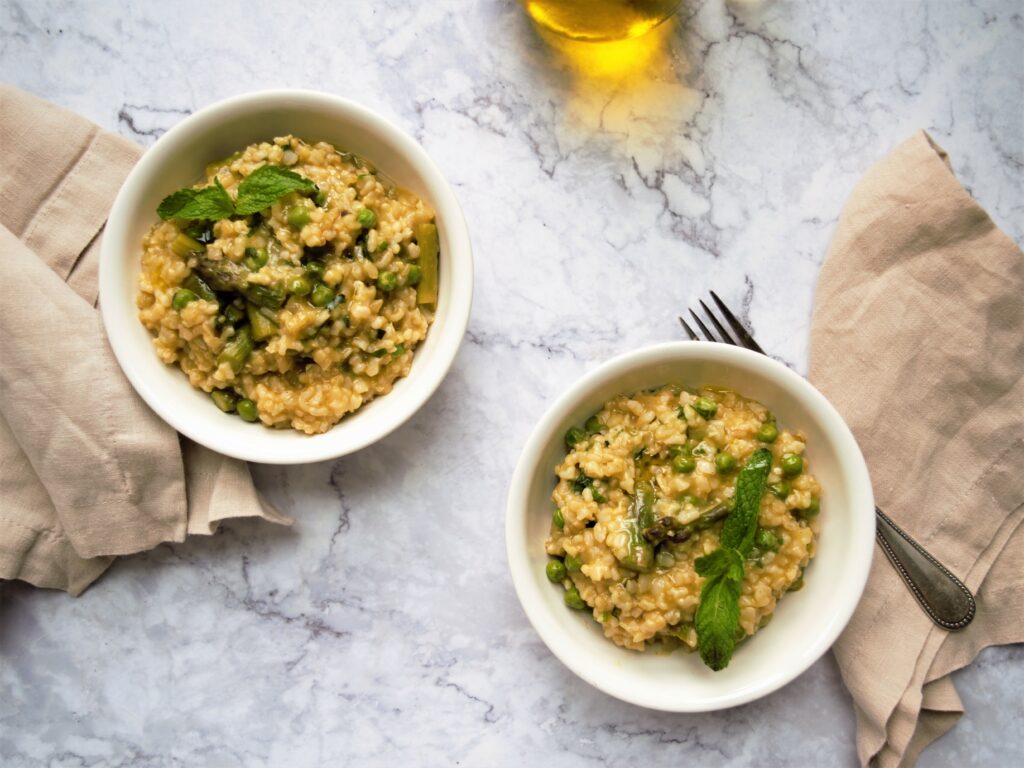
(918, 339)
(87, 471)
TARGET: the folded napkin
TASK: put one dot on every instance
(918, 340)
(87, 470)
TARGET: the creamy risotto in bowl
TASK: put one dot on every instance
(293, 283)
(676, 498)
(644, 492)
(279, 248)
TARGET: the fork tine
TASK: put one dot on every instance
(744, 335)
(689, 331)
(703, 328)
(718, 326)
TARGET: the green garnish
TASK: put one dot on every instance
(209, 203)
(718, 615)
(582, 482)
(259, 190)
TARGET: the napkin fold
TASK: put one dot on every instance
(88, 472)
(918, 340)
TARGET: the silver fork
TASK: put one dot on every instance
(942, 595)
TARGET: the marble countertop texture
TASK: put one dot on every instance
(383, 626)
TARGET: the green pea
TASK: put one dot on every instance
(224, 399)
(255, 258)
(320, 198)
(797, 585)
(781, 490)
(768, 432)
(706, 407)
(555, 569)
(413, 276)
(792, 464)
(683, 465)
(573, 563)
(574, 435)
(593, 425)
(767, 540)
(573, 599)
(558, 518)
(725, 462)
(811, 511)
(680, 450)
(247, 409)
(322, 295)
(299, 286)
(387, 281)
(298, 216)
(182, 297)
(366, 218)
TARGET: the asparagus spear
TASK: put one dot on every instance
(640, 552)
(226, 275)
(670, 529)
(426, 290)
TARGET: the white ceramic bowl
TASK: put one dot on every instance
(806, 622)
(177, 160)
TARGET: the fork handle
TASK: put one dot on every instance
(942, 595)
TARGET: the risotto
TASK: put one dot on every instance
(293, 283)
(680, 452)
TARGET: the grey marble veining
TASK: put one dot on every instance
(383, 626)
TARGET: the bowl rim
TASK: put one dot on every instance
(456, 312)
(548, 428)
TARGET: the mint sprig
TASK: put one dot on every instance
(258, 191)
(718, 614)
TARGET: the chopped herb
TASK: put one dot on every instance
(573, 436)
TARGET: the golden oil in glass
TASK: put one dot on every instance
(600, 19)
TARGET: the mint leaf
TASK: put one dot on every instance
(209, 203)
(261, 188)
(718, 620)
(741, 524)
(722, 561)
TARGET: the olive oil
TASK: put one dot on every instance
(600, 19)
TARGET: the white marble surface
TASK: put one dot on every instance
(383, 626)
